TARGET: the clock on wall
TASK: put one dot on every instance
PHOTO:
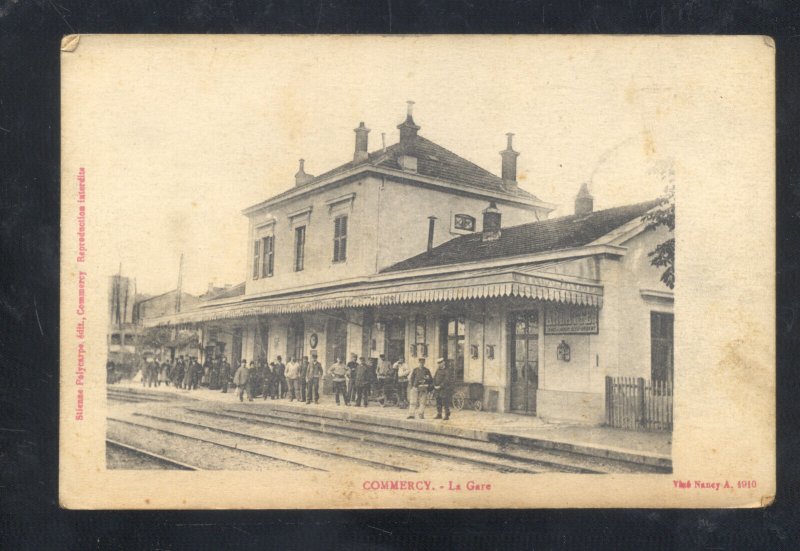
(313, 340)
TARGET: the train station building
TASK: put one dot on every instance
(411, 250)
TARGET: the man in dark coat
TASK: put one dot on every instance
(224, 374)
(302, 378)
(443, 381)
(314, 373)
(269, 380)
(363, 380)
(280, 377)
(351, 378)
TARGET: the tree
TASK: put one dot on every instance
(664, 253)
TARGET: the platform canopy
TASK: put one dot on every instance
(515, 281)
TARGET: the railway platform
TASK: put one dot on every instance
(650, 450)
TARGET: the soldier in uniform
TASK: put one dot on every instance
(443, 381)
(384, 375)
(420, 383)
(314, 373)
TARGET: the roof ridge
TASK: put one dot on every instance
(563, 232)
(422, 138)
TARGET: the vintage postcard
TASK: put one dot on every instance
(417, 272)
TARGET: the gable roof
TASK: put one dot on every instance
(565, 232)
(433, 161)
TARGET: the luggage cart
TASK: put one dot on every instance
(468, 395)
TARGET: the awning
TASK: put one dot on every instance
(524, 282)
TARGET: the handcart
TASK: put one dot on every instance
(468, 395)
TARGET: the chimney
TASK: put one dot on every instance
(491, 223)
(361, 153)
(431, 226)
(584, 202)
(408, 129)
(301, 177)
(509, 162)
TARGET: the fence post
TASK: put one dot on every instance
(608, 401)
(640, 402)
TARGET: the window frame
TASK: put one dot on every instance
(256, 259)
(267, 260)
(340, 239)
(299, 248)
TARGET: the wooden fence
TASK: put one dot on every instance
(638, 404)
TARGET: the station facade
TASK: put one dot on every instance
(412, 251)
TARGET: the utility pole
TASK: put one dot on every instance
(180, 286)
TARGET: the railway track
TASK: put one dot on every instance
(131, 397)
(234, 437)
(207, 453)
(527, 459)
(140, 458)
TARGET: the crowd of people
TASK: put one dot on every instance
(355, 383)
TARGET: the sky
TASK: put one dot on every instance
(178, 136)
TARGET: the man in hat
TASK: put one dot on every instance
(314, 373)
(384, 374)
(292, 374)
(420, 383)
(443, 382)
(403, 371)
(363, 380)
(241, 380)
(280, 377)
(339, 374)
(351, 378)
(225, 374)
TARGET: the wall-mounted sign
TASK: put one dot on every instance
(463, 222)
(571, 320)
(313, 340)
(563, 351)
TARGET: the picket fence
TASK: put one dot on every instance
(638, 404)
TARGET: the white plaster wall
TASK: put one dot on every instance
(636, 273)
(404, 212)
(249, 341)
(387, 223)
(278, 338)
(315, 324)
(318, 266)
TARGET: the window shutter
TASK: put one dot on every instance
(256, 258)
